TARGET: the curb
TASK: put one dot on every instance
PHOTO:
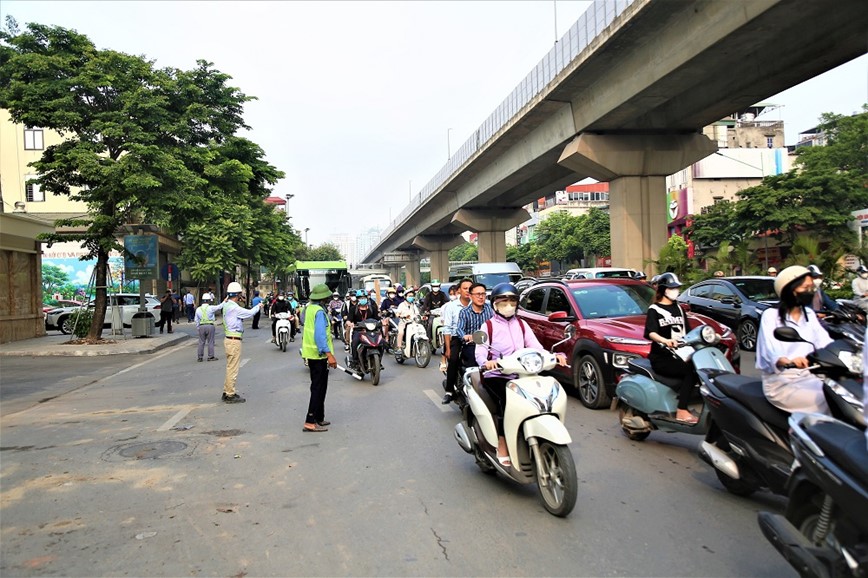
(119, 348)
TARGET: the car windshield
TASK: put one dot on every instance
(614, 274)
(490, 280)
(757, 289)
(602, 301)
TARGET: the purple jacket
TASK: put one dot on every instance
(507, 339)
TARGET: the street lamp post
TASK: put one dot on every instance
(448, 144)
(306, 229)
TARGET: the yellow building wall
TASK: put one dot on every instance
(14, 171)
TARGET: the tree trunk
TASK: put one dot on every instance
(101, 300)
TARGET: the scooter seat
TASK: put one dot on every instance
(642, 366)
(844, 445)
(749, 391)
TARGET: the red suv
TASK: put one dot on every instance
(609, 317)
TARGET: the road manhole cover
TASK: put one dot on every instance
(149, 450)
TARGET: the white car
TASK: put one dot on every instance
(62, 317)
(600, 273)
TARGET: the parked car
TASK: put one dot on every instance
(600, 273)
(737, 302)
(609, 317)
(61, 317)
(46, 307)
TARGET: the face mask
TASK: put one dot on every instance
(280, 298)
(818, 283)
(805, 298)
(453, 297)
(506, 309)
(392, 296)
(672, 294)
(410, 299)
(363, 301)
(863, 275)
(353, 298)
(435, 289)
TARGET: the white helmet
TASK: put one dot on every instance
(234, 288)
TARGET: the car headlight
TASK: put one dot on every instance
(851, 361)
(532, 362)
(620, 360)
(626, 340)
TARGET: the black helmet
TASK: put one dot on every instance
(668, 280)
(503, 290)
(815, 271)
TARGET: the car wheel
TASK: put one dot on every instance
(65, 324)
(747, 334)
(588, 380)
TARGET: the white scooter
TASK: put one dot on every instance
(533, 425)
(416, 343)
(282, 329)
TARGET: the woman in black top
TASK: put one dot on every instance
(665, 326)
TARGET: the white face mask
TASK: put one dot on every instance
(817, 283)
(506, 309)
(863, 275)
(672, 294)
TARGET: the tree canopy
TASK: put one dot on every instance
(143, 144)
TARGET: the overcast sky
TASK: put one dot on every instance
(357, 99)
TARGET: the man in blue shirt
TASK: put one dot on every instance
(256, 301)
(470, 319)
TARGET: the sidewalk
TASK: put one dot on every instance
(56, 344)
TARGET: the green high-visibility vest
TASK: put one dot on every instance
(309, 349)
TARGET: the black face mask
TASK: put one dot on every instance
(805, 298)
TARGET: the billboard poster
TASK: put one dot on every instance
(141, 263)
(66, 276)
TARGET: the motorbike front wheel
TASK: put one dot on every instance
(423, 353)
(283, 343)
(374, 363)
(559, 496)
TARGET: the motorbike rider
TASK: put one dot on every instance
(506, 334)
(281, 305)
(361, 312)
(452, 340)
(406, 311)
(388, 304)
(822, 303)
(433, 300)
(792, 389)
(347, 312)
(470, 319)
(665, 326)
(860, 287)
(371, 300)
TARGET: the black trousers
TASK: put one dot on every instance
(468, 354)
(319, 383)
(255, 324)
(677, 368)
(496, 386)
(166, 318)
(452, 365)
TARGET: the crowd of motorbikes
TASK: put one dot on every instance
(819, 462)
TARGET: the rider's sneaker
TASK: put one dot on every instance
(447, 399)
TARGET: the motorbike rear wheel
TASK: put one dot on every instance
(375, 368)
(423, 353)
(559, 496)
(733, 486)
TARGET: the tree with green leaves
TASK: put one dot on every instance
(673, 257)
(594, 234)
(716, 225)
(522, 255)
(557, 239)
(324, 252)
(464, 252)
(142, 144)
(819, 195)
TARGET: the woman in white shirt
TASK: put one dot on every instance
(792, 388)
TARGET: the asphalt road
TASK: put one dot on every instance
(141, 471)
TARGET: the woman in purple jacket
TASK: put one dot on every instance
(506, 334)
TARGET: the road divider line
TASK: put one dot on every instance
(432, 395)
(137, 365)
(243, 362)
(175, 419)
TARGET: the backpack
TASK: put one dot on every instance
(490, 327)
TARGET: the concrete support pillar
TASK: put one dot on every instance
(491, 226)
(438, 247)
(414, 275)
(636, 167)
(394, 272)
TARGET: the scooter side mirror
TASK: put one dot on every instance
(480, 338)
(569, 332)
(788, 334)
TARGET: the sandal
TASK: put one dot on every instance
(504, 461)
(692, 420)
(323, 423)
(315, 428)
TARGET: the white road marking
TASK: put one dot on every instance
(243, 361)
(175, 419)
(150, 359)
(432, 395)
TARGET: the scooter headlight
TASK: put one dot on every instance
(852, 361)
(708, 335)
(532, 362)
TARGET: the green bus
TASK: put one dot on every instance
(305, 275)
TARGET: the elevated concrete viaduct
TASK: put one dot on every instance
(626, 103)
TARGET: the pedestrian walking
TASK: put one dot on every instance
(256, 301)
(205, 324)
(190, 306)
(233, 327)
(166, 311)
(319, 353)
(176, 308)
